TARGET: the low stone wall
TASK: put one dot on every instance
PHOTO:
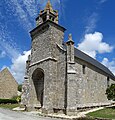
(83, 107)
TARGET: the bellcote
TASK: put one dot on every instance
(47, 14)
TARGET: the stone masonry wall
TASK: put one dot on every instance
(91, 86)
(8, 85)
(41, 46)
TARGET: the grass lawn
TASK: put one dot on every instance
(104, 113)
(9, 106)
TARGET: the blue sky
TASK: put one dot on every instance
(91, 23)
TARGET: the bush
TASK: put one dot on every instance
(110, 92)
(8, 101)
(20, 88)
(17, 98)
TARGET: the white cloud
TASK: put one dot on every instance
(93, 18)
(109, 64)
(93, 44)
(18, 61)
(27, 10)
(102, 1)
(22, 14)
(91, 22)
(31, 7)
(7, 44)
(2, 54)
(10, 51)
(18, 66)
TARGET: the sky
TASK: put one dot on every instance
(91, 23)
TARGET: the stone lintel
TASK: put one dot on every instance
(71, 72)
(61, 47)
(70, 62)
(43, 60)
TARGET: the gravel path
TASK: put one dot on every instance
(12, 115)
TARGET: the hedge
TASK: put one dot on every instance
(8, 101)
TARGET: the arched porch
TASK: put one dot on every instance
(38, 80)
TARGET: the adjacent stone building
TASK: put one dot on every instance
(8, 85)
(59, 77)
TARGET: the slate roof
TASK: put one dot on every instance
(81, 55)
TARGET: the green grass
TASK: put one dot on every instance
(9, 106)
(104, 113)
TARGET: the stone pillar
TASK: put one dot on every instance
(56, 19)
(71, 78)
(48, 15)
(28, 64)
(39, 21)
(26, 86)
(25, 92)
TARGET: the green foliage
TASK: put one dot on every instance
(17, 98)
(20, 88)
(107, 113)
(110, 92)
(9, 106)
(13, 100)
(8, 101)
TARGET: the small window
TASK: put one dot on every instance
(83, 69)
(51, 18)
(108, 81)
(44, 19)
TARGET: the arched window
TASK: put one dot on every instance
(83, 69)
(108, 81)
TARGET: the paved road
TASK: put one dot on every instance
(12, 115)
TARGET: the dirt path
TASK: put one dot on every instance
(12, 115)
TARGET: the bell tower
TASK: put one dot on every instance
(47, 14)
(48, 62)
(47, 34)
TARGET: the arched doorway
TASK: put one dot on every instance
(38, 80)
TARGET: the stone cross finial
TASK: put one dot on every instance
(49, 6)
(47, 14)
(70, 37)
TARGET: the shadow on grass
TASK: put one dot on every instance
(113, 107)
(88, 118)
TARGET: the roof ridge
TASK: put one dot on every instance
(93, 61)
(6, 70)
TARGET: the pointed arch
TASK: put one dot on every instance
(38, 80)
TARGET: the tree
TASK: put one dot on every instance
(20, 88)
(110, 92)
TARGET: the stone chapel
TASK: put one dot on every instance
(8, 85)
(59, 77)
